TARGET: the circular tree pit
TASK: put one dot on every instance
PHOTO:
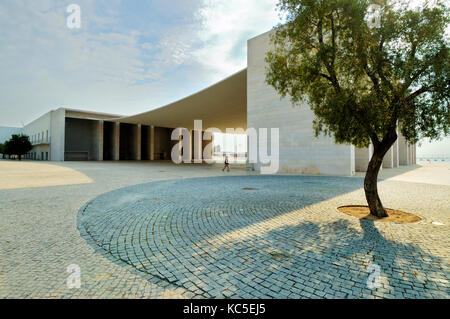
(395, 216)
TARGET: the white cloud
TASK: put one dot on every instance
(112, 65)
(227, 23)
(44, 65)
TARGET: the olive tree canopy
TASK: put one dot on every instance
(366, 69)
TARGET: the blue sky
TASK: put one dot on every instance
(128, 57)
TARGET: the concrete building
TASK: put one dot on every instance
(240, 101)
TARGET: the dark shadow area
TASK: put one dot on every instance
(108, 141)
(145, 142)
(81, 140)
(128, 141)
(163, 143)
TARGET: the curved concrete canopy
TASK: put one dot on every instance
(222, 105)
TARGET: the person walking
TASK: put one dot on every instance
(227, 164)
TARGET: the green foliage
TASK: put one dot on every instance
(361, 80)
(18, 145)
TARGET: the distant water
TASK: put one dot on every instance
(434, 159)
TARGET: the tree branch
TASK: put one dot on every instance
(415, 94)
(329, 67)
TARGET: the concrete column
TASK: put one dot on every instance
(152, 143)
(388, 160)
(395, 153)
(148, 152)
(100, 139)
(409, 154)
(57, 135)
(138, 141)
(402, 151)
(116, 146)
(204, 145)
(362, 158)
(187, 150)
(181, 150)
(198, 146)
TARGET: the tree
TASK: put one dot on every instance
(18, 145)
(365, 74)
(2, 150)
(5, 149)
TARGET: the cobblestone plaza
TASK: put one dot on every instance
(163, 231)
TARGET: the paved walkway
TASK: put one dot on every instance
(239, 236)
(428, 173)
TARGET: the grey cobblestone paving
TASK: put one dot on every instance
(39, 237)
(208, 237)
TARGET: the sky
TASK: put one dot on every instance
(129, 56)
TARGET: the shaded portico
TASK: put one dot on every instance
(148, 135)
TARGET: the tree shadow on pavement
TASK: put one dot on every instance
(334, 260)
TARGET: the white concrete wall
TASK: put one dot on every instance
(403, 150)
(41, 152)
(395, 150)
(57, 129)
(388, 159)
(362, 158)
(40, 132)
(39, 128)
(300, 151)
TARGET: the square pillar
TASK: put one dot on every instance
(152, 143)
(362, 158)
(408, 153)
(411, 154)
(100, 140)
(138, 141)
(205, 143)
(197, 146)
(187, 150)
(116, 146)
(388, 160)
(402, 151)
(395, 153)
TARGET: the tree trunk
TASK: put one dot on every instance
(371, 188)
(370, 181)
(20, 157)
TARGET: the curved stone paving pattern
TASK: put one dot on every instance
(256, 237)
